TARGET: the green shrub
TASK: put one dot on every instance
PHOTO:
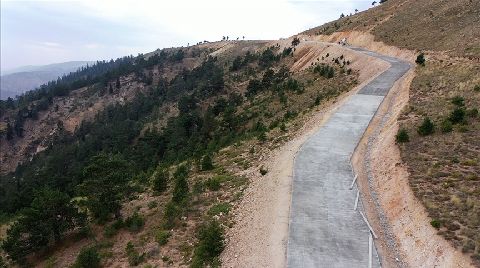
(446, 126)
(113, 228)
(477, 88)
(324, 70)
(3, 264)
(262, 136)
(463, 128)
(210, 245)
(134, 258)
(216, 209)
(458, 100)
(135, 222)
(457, 116)
(50, 263)
(170, 215)
(213, 184)
(427, 127)
(160, 180)
(207, 163)
(152, 204)
(87, 258)
(180, 191)
(283, 127)
(162, 237)
(468, 246)
(435, 223)
(420, 59)
(402, 136)
(198, 187)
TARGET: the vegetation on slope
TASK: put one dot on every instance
(175, 162)
(442, 25)
(443, 159)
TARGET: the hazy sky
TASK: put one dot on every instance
(43, 32)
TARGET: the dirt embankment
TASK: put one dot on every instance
(367, 41)
(259, 236)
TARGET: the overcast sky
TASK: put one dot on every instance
(43, 32)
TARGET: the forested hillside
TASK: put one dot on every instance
(154, 170)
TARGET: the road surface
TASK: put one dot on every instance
(324, 228)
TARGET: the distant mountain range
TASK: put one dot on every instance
(19, 80)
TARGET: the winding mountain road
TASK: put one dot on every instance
(324, 228)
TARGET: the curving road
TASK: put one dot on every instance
(324, 228)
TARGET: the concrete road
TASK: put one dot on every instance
(325, 230)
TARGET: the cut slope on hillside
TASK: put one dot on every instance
(259, 235)
(443, 166)
(441, 25)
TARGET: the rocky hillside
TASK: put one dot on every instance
(142, 157)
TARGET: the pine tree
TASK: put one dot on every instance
(117, 84)
(160, 181)
(427, 127)
(104, 182)
(50, 215)
(207, 163)
(180, 191)
(9, 131)
(420, 59)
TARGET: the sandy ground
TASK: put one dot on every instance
(259, 236)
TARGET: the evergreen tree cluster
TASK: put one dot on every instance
(90, 173)
(102, 72)
(324, 70)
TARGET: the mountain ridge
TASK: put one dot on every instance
(17, 81)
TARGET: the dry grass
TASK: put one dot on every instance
(445, 167)
(440, 25)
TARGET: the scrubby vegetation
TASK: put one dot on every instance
(402, 136)
(426, 128)
(134, 258)
(210, 245)
(420, 59)
(324, 70)
(177, 161)
(88, 258)
(444, 166)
